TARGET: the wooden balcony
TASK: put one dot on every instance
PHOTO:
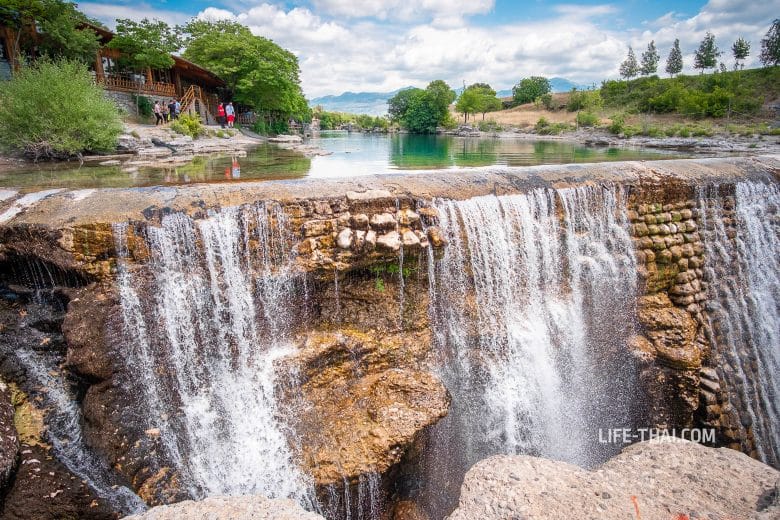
(165, 90)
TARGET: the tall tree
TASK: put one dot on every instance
(650, 59)
(468, 103)
(61, 30)
(629, 68)
(442, 96)
(770, 45)
(258, 72)
(529, 89)
(707, 54)
(674, 63)
(486, 100)
(740, 50)
(146, 44)
(399, 104)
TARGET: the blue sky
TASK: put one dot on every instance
(381, 45)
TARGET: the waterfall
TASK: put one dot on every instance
(742, 241)
(531, 303)
(206, 317)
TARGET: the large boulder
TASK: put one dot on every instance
(252, 507)
(651, 479)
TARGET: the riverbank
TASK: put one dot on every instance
(148, 146)
(726, 144)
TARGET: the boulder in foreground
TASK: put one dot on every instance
(660, 480)
(255, 507)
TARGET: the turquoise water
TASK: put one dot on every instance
(352, 154)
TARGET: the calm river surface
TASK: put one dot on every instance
(353, 154)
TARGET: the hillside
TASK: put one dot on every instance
(375, 103)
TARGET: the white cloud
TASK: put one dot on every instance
(382, 45)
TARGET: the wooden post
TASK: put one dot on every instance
(99, 72)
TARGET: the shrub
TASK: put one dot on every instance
(54, 110)
(587, 119)
(544, 127)
(144, 104)
(489, 126)
(188, 124)
(616, 126)
(583, 100)
(547, 101)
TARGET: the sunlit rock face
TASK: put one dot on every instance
(356, 347)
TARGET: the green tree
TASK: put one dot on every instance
(629, 68)
(529, 89)
(650, 59)
(399, 104)
(441, 96)
(258, 72)
(468, 103)
(53, 109)
(61, 30)
(422, 115)
(707, 54)
(740, 50)
(146, 44)
(674, 63)
(770, 45)
(486, 100)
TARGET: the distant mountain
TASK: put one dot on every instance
(375, 103)
(372, 103)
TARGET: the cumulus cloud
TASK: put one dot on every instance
(382, 45)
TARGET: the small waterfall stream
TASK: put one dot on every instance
(742, 237)
(222, 308)
(531, 304)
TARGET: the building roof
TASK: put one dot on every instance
(186, 66)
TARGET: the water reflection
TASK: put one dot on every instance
(350, 154)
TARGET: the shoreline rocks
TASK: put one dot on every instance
(253, 507)
(658, 479)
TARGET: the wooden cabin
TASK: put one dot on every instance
(197, 88)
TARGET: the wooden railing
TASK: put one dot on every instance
(209, 102)
(167, 90)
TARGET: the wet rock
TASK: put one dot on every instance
(9, 440)
(366, 403)
(251, 507)
(436, 237)
(383, 222)
(389, 241)
(659, 479)
(671, 330)
(410, 239)
(344, 238)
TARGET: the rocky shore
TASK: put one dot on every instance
(653, 479)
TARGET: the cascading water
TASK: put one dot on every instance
(204, 345)
(742, 240)
(535, 359)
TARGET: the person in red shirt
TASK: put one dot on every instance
(221, 115)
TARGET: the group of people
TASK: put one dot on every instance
(226, 114)
(165, 113)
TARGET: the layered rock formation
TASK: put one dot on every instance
(651, 479)
(359, 388)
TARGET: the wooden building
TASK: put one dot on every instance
(197, 88)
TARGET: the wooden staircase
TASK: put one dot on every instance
(195, 101)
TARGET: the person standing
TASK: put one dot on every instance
(231, 114)
(172, 109)
(164, 110)
(221, 115)
(178, 108)
(157, 113)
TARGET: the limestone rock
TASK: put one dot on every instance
(344, 238)
(363, 403)
(667, 479)
(250, 507)
(9, 440)
(389, 241)
(671, 330)
(410, 239)
(383, 221)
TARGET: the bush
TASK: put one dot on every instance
(547, 101)
(583, 100)
(54, 110)
(489, 126)
(544, 127)
(616, 126)
(144, 104)
(188, 124)
(587, 119)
